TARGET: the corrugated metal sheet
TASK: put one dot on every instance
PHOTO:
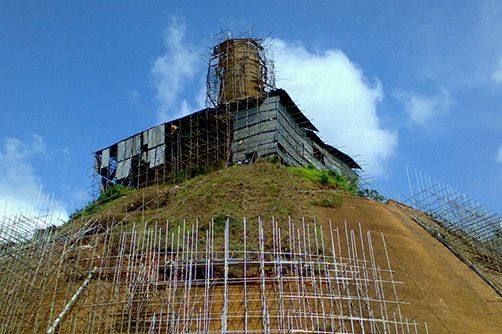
(121, 147)
(156, 156)
(144, 134)
(156, 136)
(258, 131)
(251, 118)
(123, 169)
(128, 148)
(152, 137)
(136, 145)
(161, 135)
(97, 165)
(105, 158)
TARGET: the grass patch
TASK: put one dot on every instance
(256, 190)
(328, 178)
(113, 192)
(332, 201)
(220, 222)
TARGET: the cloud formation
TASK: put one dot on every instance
(172, 70)
(331, 89)
(498, 156)
(497, 75)
(21, 190)
(424, 108)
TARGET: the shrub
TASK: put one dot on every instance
(275, 159)
(328, 178)
(324, 179)
(112, 192)
(195, 171)
(180, 176)
(333, 201)
(371, 194)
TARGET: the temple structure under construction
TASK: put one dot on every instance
(247, 118)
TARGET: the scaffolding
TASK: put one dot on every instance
(170, 151)
(468, 227)
(246, 119)
(239, 68)
(223, 276)
(240, 73)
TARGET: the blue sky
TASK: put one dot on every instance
(410, 83)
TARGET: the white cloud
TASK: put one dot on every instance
(172, 70)
(134, 96)
(185, 108)
(422, 109)
(20, 189)
(498, 157)
(497, 75)
(341, 100)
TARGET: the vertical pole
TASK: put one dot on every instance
(245, 280)
(225, 294)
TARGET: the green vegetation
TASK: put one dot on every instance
(335, 180)
(259, 189)
(331, 201)
(113, 192)
(371, 194)
(220, 223)
(328, 178)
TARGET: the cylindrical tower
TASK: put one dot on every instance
(239, 69)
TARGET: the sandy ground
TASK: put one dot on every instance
(439, 288)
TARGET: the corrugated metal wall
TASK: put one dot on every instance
(269, 129)
(204, 138)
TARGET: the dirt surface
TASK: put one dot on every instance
(261, 189)
(439, 288)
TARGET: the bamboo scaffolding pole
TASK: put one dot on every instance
(252, 277)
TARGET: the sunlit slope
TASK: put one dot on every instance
(439, 288)
(436, 286)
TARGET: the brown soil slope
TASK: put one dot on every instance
(439, 288)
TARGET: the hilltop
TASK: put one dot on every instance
(437, 286)
(261, 189)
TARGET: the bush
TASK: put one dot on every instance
(196, 171)
(324, 178)
(180, 176)
(333, 201)
(328, 178)
(371, 194)
(275, 159)
(112, 192)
